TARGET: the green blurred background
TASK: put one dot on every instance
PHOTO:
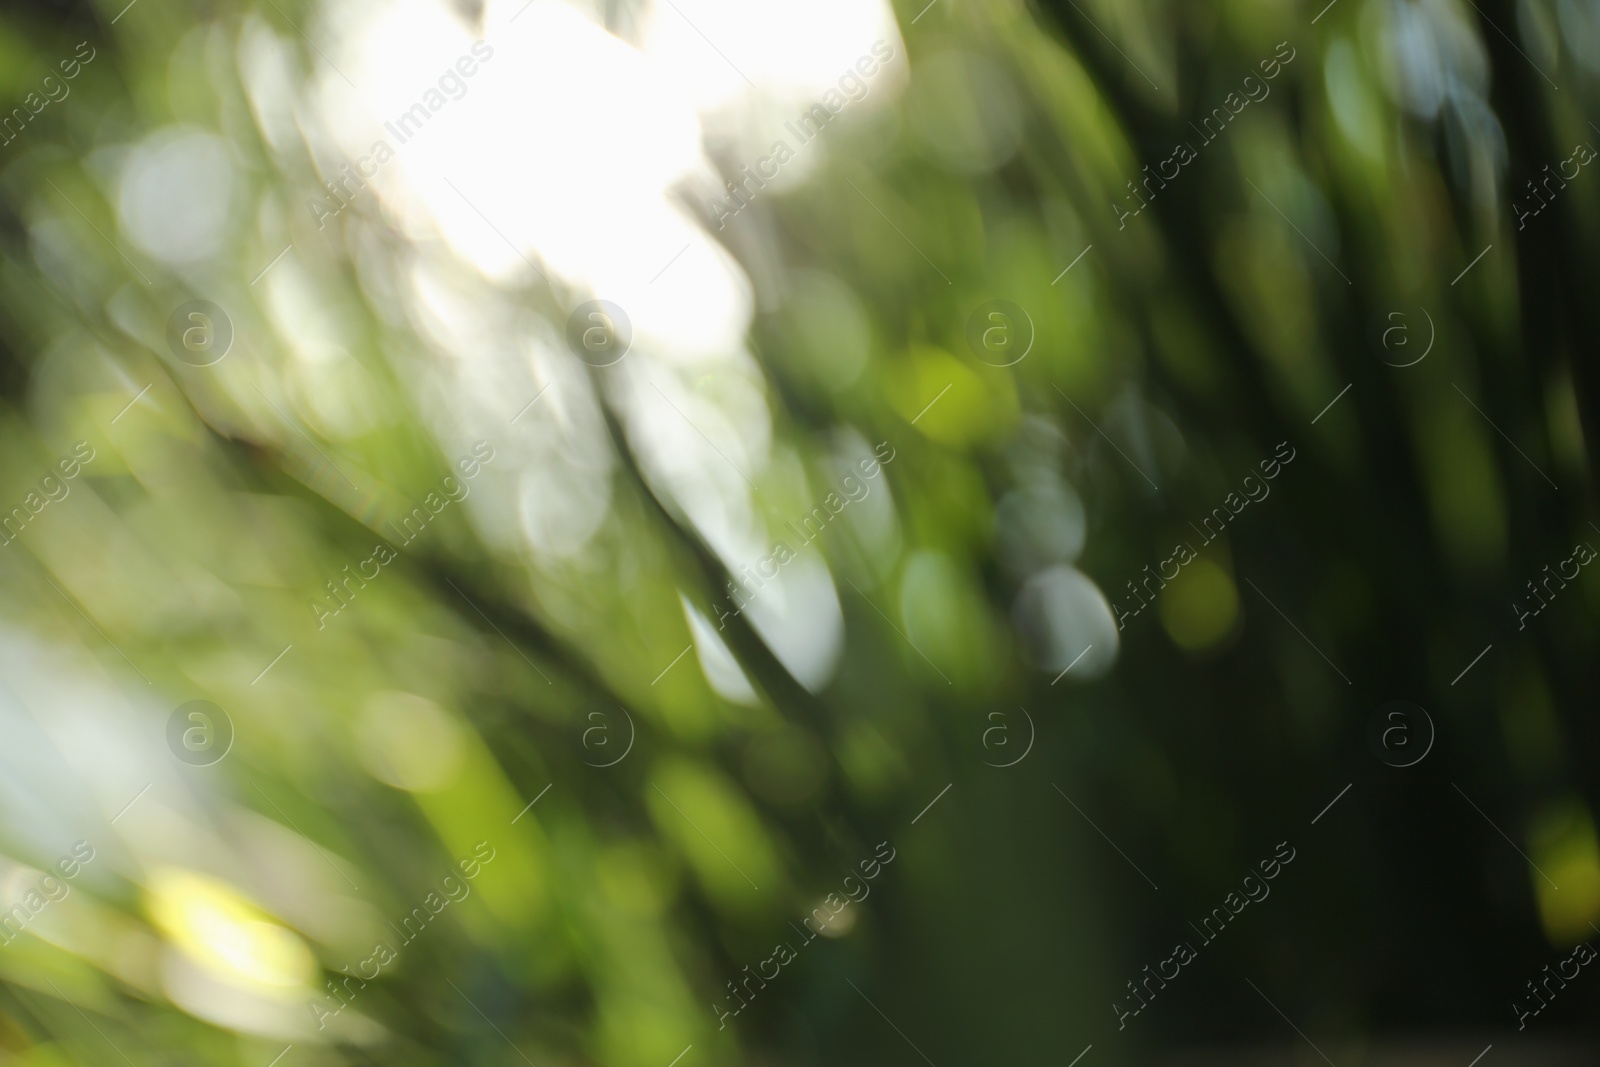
(547, 666)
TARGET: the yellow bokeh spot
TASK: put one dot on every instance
(1564, 847)
(951, 402)
(1200, 606)
(217, 927)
